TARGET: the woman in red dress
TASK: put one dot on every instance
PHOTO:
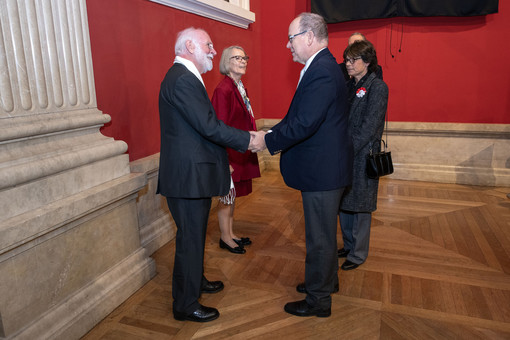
(232, 106)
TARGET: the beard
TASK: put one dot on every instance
(204, 60)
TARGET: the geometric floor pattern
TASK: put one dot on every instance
(438, 268)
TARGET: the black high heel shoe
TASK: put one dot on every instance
(244, 241)
(236, 250)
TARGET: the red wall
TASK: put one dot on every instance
(132, 44)
(448, 70)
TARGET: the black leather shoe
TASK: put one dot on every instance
(302, 308)
(244, 241)
(212, 287)
(348, 265)
(236, 250)
(301, 288)
(202, 314)
(342, 252)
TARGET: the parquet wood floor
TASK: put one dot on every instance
(438, 268)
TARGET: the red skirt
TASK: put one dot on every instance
(243, 188)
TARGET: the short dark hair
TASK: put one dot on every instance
(365, 50)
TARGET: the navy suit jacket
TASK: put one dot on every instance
(313, 138)
(193, 160)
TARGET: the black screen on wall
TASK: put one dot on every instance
(346, 10)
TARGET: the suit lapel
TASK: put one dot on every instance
(305, 77)
(315, 60)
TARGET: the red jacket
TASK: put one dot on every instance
(230, 108)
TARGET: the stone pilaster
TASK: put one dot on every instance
(69, 238)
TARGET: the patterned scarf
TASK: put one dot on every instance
(242, 91)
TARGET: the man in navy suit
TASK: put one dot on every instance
(316, 157)
(193, 167)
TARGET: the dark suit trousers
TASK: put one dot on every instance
(190, 216)
(321, 209)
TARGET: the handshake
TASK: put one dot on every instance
(257, 141)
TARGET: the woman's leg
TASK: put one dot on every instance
(226, 220)
(360, 237)
(231, 221)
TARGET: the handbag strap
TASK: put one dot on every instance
(386, 130)
(385, 142)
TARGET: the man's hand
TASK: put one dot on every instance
(257, 141)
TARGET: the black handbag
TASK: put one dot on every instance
(380, 164)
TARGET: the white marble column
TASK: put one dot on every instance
(69, 240)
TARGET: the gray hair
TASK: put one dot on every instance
(358, 33)
(315, 23)
(183, 36)
(225, 59)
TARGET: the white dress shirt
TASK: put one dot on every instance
(190, 66)
(307, 64)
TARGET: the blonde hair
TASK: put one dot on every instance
(225, 59)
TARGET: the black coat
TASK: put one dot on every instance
(366, 124)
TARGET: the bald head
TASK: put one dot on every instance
(356, 37)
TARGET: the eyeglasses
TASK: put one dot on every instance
(291, 37)
(351, 60)
(239, 58)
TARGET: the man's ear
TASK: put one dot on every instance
(190, 46)
(309, 38)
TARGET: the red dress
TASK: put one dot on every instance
(230, 108)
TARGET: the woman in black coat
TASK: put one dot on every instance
(368, 97)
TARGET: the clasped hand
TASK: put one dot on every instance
(257, 141)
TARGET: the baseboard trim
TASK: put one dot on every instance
(77, 315)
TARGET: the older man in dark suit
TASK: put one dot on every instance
(316, 157)
(193, 167)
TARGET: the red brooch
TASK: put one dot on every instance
(361, 92)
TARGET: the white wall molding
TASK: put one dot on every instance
(235, 13)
